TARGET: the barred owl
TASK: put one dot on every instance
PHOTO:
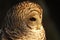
(24, 22)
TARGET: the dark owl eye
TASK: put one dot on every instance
(32, 19)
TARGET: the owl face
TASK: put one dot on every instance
(31, 14)
(34, 20)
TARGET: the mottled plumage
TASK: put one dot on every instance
(24, 22)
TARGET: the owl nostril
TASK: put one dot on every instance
(32, 19)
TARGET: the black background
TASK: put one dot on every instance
(54, 11)
(54, 7)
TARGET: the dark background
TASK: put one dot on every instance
(51, 16)
(54, 7)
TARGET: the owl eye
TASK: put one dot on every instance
(32, 19)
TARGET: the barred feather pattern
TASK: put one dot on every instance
(24, 22)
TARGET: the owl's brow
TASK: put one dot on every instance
(32, 11)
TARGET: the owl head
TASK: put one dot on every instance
(25, 14)
(22, 18)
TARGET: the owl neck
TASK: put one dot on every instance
(33, 31)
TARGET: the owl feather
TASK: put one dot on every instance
(24, 22)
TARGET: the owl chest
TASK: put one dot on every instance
(33, 36)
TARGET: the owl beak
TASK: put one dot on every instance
(38, 27)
